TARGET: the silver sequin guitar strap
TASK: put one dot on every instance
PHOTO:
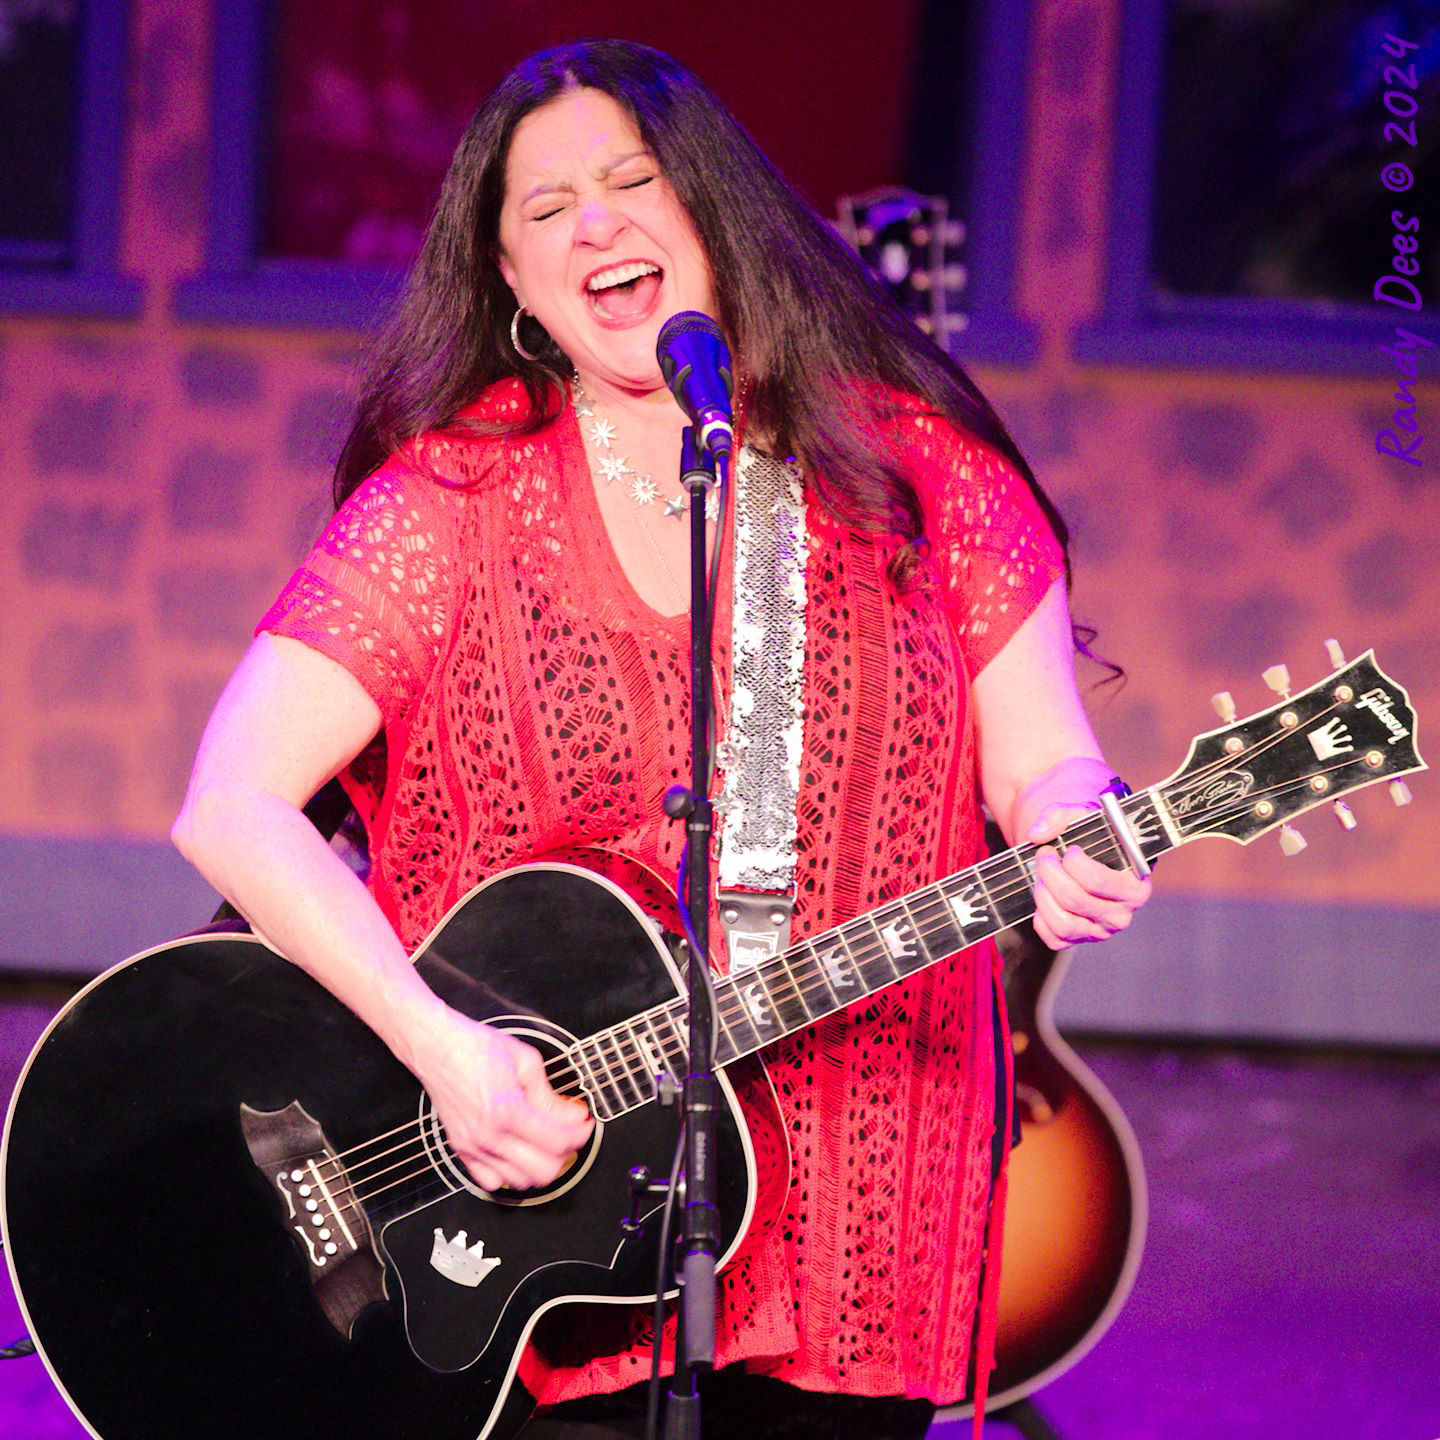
(761, 752)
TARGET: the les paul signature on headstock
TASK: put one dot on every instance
(908, 241)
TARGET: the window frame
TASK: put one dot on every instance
(239, 287)
(1138, 327)
(997, 332)
(92, 283)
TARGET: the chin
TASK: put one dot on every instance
(637, 369)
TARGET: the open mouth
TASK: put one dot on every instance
(623, 293)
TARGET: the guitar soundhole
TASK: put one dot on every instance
(551, 1042)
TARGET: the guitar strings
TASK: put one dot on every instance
(862, 954)
(1226, 761)
(562, 1064)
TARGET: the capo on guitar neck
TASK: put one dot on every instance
(1110, 798)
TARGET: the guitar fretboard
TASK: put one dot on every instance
(762, 1003)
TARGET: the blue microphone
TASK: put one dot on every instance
(695, 361)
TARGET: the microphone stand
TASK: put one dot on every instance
(699, 1242)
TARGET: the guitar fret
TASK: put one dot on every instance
(885, 949)
(755, 1007)
(831, 961)
(1009, 887)
(654, 1047)
(872, 963)
(724, 1043)
(937, 931)
(639, 1062)
(792, 1010)
(824, 995)
(900, 936)
(600, 1088)
(971, 909)
(619, 1066)
(927, 954)
(661, 1052)
(675, 1016)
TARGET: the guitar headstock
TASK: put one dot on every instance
(906, 240)
(1354, 728)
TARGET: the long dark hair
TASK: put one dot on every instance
(805, 318)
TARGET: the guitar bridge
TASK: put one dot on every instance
(322, 1211)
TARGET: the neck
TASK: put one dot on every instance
(828, 971)
(651, 408)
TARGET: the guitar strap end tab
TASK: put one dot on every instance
(756, 924)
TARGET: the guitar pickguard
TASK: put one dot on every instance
(463, 1259)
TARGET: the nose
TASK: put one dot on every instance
(601, 223)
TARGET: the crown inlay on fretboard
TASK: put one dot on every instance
(969, 910)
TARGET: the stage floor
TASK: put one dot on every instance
(1291, 1283)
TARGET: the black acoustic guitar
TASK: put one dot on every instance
(230, 1213)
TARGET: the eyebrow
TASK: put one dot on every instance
(546, 188)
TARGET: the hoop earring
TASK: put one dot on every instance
(515, 334)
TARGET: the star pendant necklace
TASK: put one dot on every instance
(616, 468)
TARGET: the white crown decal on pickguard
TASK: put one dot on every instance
(455, 1262)
(1331, 739)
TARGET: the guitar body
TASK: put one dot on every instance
(1075, 1212)
(1076, 1208)
(157, 1263)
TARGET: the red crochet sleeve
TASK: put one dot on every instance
(992, 547)
(377, 590)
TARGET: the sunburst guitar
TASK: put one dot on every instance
(229, 1212)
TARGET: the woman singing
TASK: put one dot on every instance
(489, 646)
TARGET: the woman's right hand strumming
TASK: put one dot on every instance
(501, 1116)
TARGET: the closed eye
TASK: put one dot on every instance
(636, 184)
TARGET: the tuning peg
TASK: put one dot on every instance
(1277, 677)
(1345, 815)
(1224, 703)
(1292, 842)
(1399, 792)
(1336, 654)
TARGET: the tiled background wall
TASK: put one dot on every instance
(161, 480)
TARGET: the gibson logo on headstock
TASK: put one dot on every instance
(1232, 785)
(1379, 703)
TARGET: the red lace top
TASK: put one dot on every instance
(533, 702)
